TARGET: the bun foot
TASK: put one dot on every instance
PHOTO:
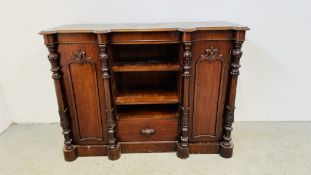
(226, 151)
(114, 154)
(182, 152)
(70, 154)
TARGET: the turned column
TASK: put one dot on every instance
(226, 146)
(183, 145)
(114, 150)
(69, 150)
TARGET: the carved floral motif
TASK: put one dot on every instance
(80, 57)
(236, 55)
(104, 59)
(187, 58)
(211, 54)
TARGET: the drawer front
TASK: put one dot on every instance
(144, 37)
(130, 130)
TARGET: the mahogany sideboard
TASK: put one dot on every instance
(131, 88)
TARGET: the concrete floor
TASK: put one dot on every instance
(260, 148)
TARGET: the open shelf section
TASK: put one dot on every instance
(146, 95)
(147, 111)
(144, 66)
(139, 53)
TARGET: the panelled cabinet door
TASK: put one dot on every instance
(84, 91)
(208, 87)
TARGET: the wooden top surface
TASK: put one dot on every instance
(144, 27)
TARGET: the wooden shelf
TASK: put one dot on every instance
(146, 95)
(154, 112)
(143, 66)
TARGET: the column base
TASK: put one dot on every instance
(226, 151)
(114, 154)
(182, 152)
(70, 154)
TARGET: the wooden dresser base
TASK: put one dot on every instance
(146, 88)
(147, 147)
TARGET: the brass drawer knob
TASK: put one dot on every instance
(147, 131)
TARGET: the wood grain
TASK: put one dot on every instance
(129, 130)
(143, 67)
(146, 95)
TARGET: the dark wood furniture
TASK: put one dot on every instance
(146, 87)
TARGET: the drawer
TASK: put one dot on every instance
(145, 37)
(147, 129)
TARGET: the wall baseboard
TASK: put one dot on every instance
(3, 128)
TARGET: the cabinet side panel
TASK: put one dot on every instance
(208, 88)
(84, 92)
